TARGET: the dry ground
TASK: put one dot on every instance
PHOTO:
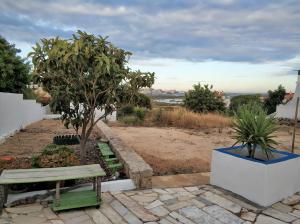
(172, 150)
(34, 138)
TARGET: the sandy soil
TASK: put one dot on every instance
(172, 151)
(34, 138)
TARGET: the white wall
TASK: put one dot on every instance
(16, 113)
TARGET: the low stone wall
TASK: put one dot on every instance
(135, 167)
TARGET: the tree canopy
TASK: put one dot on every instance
(203, 99)
(83, 74)
(274, 98)
(240, 100)
(14, 71)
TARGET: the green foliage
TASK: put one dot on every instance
(253, 127)
(241, 100)
(29, 94)
(56, 149)
(126, 110)
(14, 71)
(135, 81)
(140, 113)
(203, 99)
(88, 73)
(131, 120)
(55, 156)
(274, 98)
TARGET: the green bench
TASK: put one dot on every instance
(109, 157)
(64, 201)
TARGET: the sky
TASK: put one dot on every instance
(237, 46)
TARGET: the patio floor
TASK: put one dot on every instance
(203, 204)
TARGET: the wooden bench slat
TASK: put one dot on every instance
(50, 174)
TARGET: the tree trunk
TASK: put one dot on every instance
(83, 151)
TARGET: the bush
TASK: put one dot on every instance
(29, 94)
(130, 115)
(240, 100)
(66, 140)
(140, 113)
(126, 110)
(131, 120)
(203, 99)
(56, 156)
(274, 98)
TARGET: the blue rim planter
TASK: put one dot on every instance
(263, 182)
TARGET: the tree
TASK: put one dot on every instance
(203, 99)
(135, 81)
(240, 100)
(82, 74)
(14, 71)
(274, 98)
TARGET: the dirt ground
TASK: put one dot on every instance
(173, 151)
(34, 138)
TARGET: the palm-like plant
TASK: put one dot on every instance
(253, 127)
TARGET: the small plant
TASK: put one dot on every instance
(140, 112)
(255, 128)
(56, 156)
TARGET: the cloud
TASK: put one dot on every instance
(224, 30)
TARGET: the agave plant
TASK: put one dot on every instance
(253, 128)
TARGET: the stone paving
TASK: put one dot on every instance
(189, 205)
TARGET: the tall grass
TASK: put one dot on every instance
(182, 118)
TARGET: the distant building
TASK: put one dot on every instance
(288, 110)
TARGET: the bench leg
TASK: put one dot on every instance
(3, 196)
(94, 184)
(57, 193)
(98, 180)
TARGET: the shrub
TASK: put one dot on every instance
(66, 140)
(131, 120)
(274, 98)
(140, 112)
(126, 110)
(253, 127)
(203, 99)
(56, 156)
(29, 94)
(241, 100)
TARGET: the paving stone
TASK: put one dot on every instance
(159, 211)
(178, 189)
(172, 220)
(180, 218)
(107, 197)
(296, 222)
(170, 190)
(135, 208)
(197, 192)
(296, 213)
(160, 191)
(97, 216)
(130, 193)
(125, 213)
(56, 221)
(199, 204)
(222, 215)
(49, 214)
(171, 201)
(144, 198)
(197, 215)
(191, 189)
(204, 201)
(279, 215)
(241, 202)
(165, 221)
(111, 214)
(5, 220)
(154, 204)
(178, 205)
(78, 220)
(248, 216)
(165, 197)
(282, 207)
(223, 202)
(25, 209)
(263, 219)
(291, 200)
(71, 214)
(22, 219)
(297, 206)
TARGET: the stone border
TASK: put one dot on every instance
(135, 167)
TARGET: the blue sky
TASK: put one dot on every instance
(238, 46)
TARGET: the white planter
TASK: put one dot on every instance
(264, 183)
